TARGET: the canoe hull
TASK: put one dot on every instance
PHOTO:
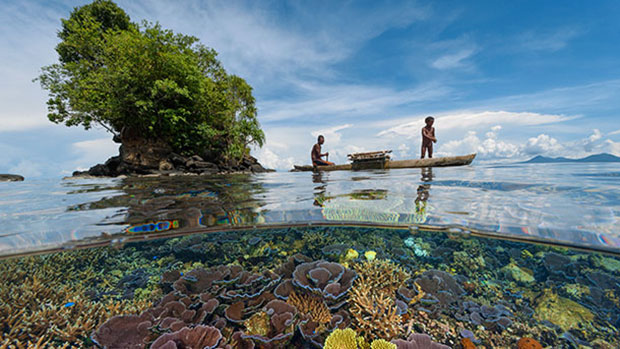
(434, 162)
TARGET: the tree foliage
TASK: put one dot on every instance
(163, 85)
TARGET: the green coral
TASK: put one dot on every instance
(518, 273)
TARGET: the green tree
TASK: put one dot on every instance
(162, 85)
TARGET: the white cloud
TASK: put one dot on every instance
(616, 132)
(27, 169)
(403, 150)
(346, 101)
(469, 121)
(550, 40)
(612, 147)
(331, 133)
(543, 144)
(254, 40)
(91, 152)
(270, 159)
(453, 60)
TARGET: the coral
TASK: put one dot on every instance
(492, 317)
(518, 273)
(528, 343)
(418, 341)
(206, 337)
(341, 339)
(561, 311)
(375, 315)
(331, 280)
(370, 255)
(381, 275)
(465, 261)
(313, 307)
(275, 324)
(382, 344)
(47, 299)
(128, 331)
(440, 289)
(466, 343)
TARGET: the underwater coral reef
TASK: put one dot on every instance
(331, 287)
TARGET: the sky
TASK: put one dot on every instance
(506, 80)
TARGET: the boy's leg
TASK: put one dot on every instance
(423, 151)
(430, 151)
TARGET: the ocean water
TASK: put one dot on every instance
(571, 204)
(484, 256)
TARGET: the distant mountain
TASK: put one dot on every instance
(539, 159)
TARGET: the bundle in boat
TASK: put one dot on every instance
(369, 160)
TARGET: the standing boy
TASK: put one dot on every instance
(428, 137)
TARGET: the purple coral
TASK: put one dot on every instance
(281, 321)
(197, 337)
(126, 331)
(332, 280)
(418, 341)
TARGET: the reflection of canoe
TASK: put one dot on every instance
(434, 162)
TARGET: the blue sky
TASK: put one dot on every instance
(508, 80)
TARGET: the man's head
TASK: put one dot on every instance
(321, 140)
(429, 121)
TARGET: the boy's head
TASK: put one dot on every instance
(320, 139)
(429, 120)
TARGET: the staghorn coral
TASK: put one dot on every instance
(312, 307)
(375, 315)
(44, 299)
(381, 275)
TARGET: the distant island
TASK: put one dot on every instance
(592, 158)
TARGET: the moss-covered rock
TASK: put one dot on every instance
(562, 311)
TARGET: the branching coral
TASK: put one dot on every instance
(375, 315)
(382, 276)
(310, 306)
(43, 299)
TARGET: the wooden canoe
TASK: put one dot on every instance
(415, 163)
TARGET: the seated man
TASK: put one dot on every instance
(316, 154)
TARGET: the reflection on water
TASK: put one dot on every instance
(301, 287)
(525, 201)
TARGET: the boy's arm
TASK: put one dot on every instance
(433, 136)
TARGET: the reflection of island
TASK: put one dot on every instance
(184, 202)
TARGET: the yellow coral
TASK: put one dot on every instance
(370, 255)
(382, 344)
(341, 339)
(351, 254)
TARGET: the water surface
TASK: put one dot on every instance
(577, 204)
